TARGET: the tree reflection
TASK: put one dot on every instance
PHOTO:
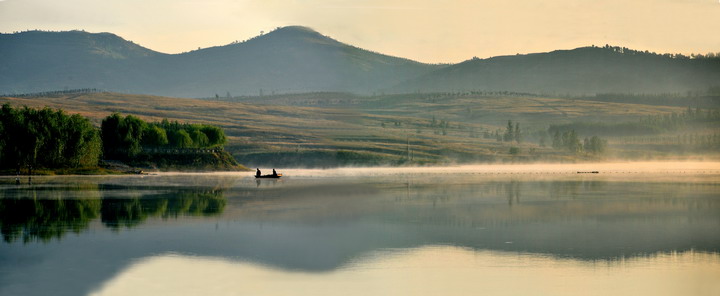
(43, 220)
(23, 216)
(117, 213)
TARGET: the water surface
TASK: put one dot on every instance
(491, 230)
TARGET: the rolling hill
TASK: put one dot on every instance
(585, 70)
(300, 60)
(38, 61)
(289, 59)
(335, 129)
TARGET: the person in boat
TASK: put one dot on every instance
(257, 172)
(274, 173)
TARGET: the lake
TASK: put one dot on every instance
(630, 229)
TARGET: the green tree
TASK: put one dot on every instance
(180, 139)
(199, 139)
(47, 138)
(155, 136)
(216, 136)
(131, 130)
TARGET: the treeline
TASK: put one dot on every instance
(50, 139)
(124, 137)
(625, 50)
(46, 138)
(55, 93)
(709, 99)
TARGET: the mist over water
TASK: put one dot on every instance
(631, 228)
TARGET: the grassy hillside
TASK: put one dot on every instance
(330, 129)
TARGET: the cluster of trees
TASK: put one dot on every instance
(569, 141)
(512, 133)
(125, 137)
(625, 50)
(46, 138)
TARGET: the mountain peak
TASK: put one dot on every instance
(297, 29)
(284, 36)
(297, 32)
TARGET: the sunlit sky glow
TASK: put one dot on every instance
(426, 30)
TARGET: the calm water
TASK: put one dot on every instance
(642, 229)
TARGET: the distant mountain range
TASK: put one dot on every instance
(299, 59)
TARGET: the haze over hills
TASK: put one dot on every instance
(39, 61)
(290, 59)
(585, 70)
(297, 59)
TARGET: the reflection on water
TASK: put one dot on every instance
(44, 220)
(319, 230)
(44, 213)
(118, 213)
(428, 270)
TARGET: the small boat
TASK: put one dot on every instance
(269, 176)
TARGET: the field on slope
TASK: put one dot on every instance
(331, 129)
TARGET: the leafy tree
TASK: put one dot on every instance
(122, 135)
(180, 139)
(131, 130)
(154, 135)
(216, 136)
(199, 139)
(47, 138)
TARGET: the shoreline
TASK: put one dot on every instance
(602, 168)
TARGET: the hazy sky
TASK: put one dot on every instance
(424, 30)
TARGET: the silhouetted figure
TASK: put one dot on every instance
(257, 172)
(274, 173)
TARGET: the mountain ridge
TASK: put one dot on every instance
(289, 59)
(298, 59)
(583, 70)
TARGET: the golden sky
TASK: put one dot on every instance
(434, 31)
